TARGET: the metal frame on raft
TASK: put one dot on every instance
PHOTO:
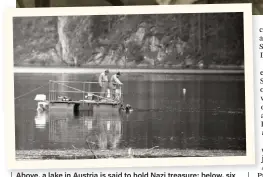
(87, 103)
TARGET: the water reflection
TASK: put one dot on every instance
(41, 119)
(101, 130)
(88, 124)
(108, 130)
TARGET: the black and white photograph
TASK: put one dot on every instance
(149, 87)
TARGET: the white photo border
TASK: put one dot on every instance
(246, 8)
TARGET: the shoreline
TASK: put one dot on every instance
(122, 153)
(150, 71)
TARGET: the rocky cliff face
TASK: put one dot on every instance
(130, 40)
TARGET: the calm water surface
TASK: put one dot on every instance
(211, 115)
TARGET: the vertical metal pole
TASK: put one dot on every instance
(49, 90)
(83, 92)
(55, 90)
(52, 91)
(55, 84)
(121, 95)
(52, 83)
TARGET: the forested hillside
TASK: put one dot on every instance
(173, 40)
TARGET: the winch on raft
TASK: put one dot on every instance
(91, 101)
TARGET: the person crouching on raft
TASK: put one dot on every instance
(104, 83)
(114, 81)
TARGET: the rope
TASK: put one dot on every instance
(30, 91)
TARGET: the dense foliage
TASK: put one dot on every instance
(162, 40)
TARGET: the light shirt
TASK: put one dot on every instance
(103, 78)
(114, 79)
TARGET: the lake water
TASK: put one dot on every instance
(211, 115)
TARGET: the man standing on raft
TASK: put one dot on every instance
(114, 81)
(104, 83)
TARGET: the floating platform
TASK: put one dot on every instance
(59, 101)
(84, 105)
